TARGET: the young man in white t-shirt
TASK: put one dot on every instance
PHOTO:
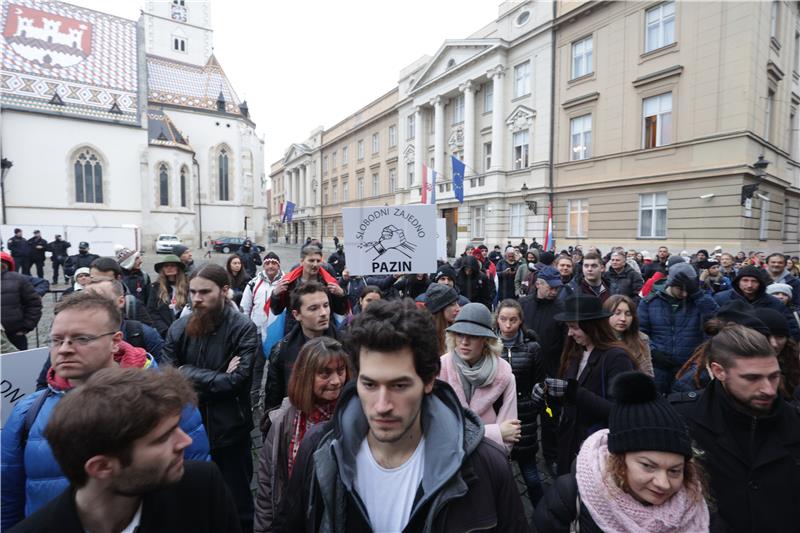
(400, 453)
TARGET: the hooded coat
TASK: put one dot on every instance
(475, 286)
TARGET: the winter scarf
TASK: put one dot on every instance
(303, 423)
(126, 356)
(615, 510)
(481, 374)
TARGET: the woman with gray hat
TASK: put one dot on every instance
(168, 294)
(591, 358)
(483, 382)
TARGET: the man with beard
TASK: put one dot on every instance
(747, 436)
(129, 471)
(659, 265)
(311, 310)
(58, 250)
(80, 260)
(249, 257)
(215, 348)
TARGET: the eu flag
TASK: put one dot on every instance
(458, 178)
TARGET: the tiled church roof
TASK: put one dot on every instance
(161, 131)
(176, 83)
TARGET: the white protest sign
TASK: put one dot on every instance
(19, 371)
(441, 238)
(390, 239)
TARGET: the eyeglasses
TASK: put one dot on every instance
(81, 340)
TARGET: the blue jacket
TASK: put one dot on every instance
(31, 477)
(674, 334)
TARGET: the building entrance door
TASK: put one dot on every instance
(451, 226)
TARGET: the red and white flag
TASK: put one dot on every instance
(428, 190)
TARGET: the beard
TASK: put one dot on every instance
(205, 321)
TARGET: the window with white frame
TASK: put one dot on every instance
(769, 107)
(774, 15)
(763, 226)
(360, 149)
(488, 97)
(522, 79)
(345, 191)
(478, 222)
(376, 143)
(657, 120)
(392, 136)
(345, 154)
(578, 218)
(334, 193)
(325, 195)
(580, 141)
(392, 179)
(653, 215)
(521, 147)
(516, 220)
(410, 173)
(410, 127)
(360, 187)
(458, 109)
(487, 156)
(659, 26)
(333, 159)
(582, 57)
(376, 184)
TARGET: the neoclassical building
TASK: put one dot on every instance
(112, 122)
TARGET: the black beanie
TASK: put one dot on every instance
(742, 313)
(547, 258)
(446, 271)
(777, 324)
(642, 420)
(439, 296)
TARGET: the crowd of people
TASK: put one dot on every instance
(659, 394)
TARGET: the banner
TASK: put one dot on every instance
(549, 243)
(19, 371)
(390, 240)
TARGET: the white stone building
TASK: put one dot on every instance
(110, 121)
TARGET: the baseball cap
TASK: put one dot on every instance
(551, 276)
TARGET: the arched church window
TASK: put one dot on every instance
(222, 160)
(163, 184)
(184, 172)
(88, 177)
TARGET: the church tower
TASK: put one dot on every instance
(179, 30)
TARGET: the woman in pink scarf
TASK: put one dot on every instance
(637, 476)
(316, 382)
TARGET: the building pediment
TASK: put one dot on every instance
(452, 55)
(521, 118)
(408, 154)
(295, 151)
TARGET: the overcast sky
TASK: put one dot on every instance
(304, 64)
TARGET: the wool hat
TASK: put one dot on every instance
(675, 260)
(750, 271)
(783, 288)
(474, 319)
(580, 307)
(643, 420)
(272, 255)
(742, 313)
(551, 276)
(83, 270)
(702, 251)
(777, 324)
(681, 268)
(446, 271)
(547, 258)
(439, 296)
(6, 258)
(169, 259)
(178, 249)
(125, 256)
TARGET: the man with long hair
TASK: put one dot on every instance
(215, 347)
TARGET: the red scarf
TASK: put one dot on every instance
(303, 422)
(126, 356)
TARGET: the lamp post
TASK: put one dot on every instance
(748, 191)
(5, 166)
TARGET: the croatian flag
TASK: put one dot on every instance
(549, 241)
(428, 191)
(458, 178)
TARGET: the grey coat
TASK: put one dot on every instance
(273, 466)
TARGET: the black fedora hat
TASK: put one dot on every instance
(581, 307)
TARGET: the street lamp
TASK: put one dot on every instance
(748, 191)
(5, 166)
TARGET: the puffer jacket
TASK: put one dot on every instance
(558, 510)
(674, 335)
(20, 305)
(224, 398)
(31, 476)
(525, 360)
(627, 282)
(466, 487)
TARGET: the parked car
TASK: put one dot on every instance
(227, 245)
(165, 242)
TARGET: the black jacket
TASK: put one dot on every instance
(159, 312)
(19, 247)
(199, 502)
(628, 282)
(20, 304)
(558, 509)
(539, 316)
(586, 405)
(59, 250)
(281, 361)
(74, 262)
(753, 464)
(224, 398)
(524, 358)
(468, 488)
(476, 287)
(37, 254)
(250, 260)
(137, 283)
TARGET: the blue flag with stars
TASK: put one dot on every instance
(458, 178)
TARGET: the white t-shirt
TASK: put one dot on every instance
(388, 493)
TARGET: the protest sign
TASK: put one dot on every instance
(19, 371)
(390, 240)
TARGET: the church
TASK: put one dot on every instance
(110, 122)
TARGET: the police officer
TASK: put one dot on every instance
(38, 246)
(82, 259)
(20, 251)
(58, 250)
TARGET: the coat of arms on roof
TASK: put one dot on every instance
(47, 38)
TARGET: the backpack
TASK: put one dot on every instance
(30, 416)
(130, 306)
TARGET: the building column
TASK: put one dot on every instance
(438, 135)
(419, 146)
(287, 186)
(306, 186)
(469, 127)
(497, 74)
